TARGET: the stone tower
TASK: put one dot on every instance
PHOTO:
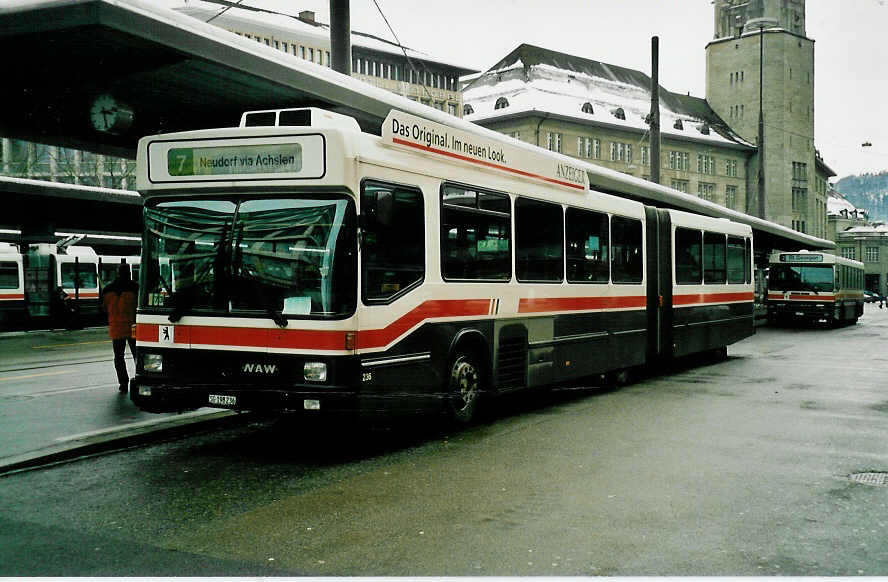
(770, 34)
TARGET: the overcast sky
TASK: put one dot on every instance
(851, 49)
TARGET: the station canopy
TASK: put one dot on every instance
(175, 73)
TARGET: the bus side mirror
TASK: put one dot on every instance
(377, 208)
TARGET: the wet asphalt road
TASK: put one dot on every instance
(735, 468)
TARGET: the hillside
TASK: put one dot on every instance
(867, 191)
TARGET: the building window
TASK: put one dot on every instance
(621, 152)
(799, 171)
(799, 199)
(706, 190)
(452, 109)
(680, 185)
(553, 141)
(705, 164)
(679, 161)
(515, 134)
(872, 254)
(731, 168)
(731, 197)
(645, 156)
(849, 253)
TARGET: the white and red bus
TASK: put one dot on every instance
(296, 263)
(814, 287)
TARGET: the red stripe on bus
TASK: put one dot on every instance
(11, 296)
(374, 338)
(488, 164)
(315, 339)
(816, 298)
(539, 305)
(697, 298)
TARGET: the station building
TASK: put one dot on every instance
(709, 146)
(859, 238)
(413, 74)
(384, 64)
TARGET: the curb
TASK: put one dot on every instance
(114, 439)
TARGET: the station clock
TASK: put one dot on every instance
(108, 115)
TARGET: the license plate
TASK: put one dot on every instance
(223, 400)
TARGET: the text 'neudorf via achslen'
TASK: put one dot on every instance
(432, 138)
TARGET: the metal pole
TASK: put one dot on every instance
(340, 36)
(761, 127)
(655, 110)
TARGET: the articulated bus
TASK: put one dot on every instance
(814, 287)
(299, 264)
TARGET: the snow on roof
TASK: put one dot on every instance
(531, 78)
(880, 229)
(836, 203)
(282, 25)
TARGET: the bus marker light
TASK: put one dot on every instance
(315, 371)
(152, 362)
(350, 340)
(311, 404)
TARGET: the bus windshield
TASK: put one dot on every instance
(279, 256)
(801, 278)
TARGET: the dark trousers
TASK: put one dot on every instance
(119, 363)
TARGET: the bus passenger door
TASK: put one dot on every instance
(658, 239)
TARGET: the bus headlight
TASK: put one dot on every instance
(315, 371)
(152, 362)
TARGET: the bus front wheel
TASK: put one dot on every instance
(464, 387)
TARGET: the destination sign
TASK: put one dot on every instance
(293, 157)
(800, 258)
(253, 159)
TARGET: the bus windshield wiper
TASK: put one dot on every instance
(277, 317)
(181, 303)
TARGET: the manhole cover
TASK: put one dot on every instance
(879, 479)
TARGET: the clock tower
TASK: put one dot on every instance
(760, 61)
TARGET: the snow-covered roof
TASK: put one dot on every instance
(536, 79)
(836, 203)
(285, 26)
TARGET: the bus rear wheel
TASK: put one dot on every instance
(464, 387)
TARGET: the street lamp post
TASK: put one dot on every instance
(761, 24)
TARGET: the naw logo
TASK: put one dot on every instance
(260, 368)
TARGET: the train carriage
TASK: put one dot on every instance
(12, 287)
(298, 264)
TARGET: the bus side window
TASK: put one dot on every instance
(688, 256)
(737, 271)
(714, 257)
(475, 234)
(626, 258)
(539, 240)
(393, 240)
(588, 259)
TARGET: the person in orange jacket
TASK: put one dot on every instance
(119, 303)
